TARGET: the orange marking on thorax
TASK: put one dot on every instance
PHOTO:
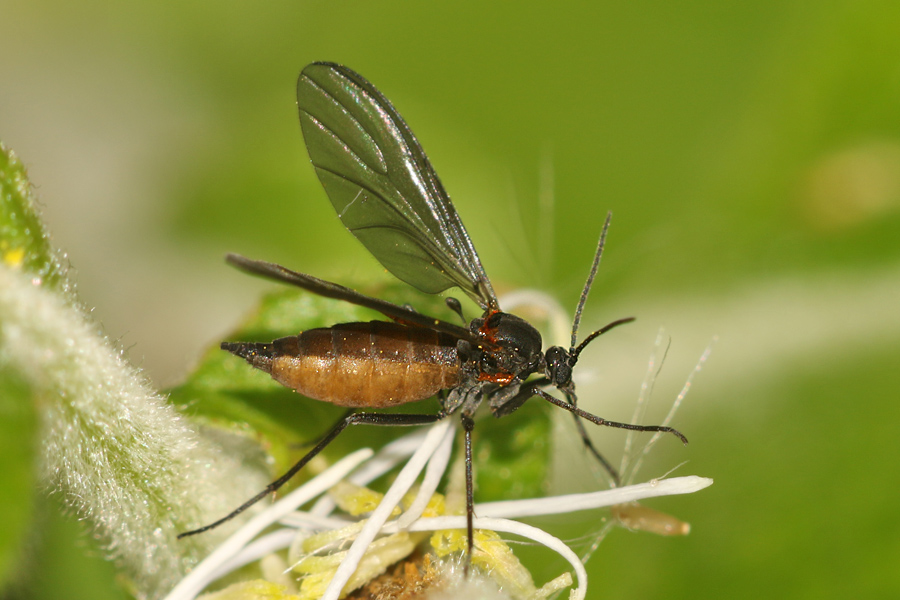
(488, 332)
(501, 378)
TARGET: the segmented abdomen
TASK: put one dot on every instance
(373, 365)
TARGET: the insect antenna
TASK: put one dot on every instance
(590, 281)
(575, 351)
(565, 385)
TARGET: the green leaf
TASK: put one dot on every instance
(17, 459)
(24, 243)
(24, 246)
(512, 453)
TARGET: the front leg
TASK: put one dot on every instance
(588, 444)
(508, 399)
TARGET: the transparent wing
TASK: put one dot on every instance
(401, 314)
(382, 185)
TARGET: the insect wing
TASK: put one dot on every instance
(338, 292)
(382, 185)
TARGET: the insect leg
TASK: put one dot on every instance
(468, 426)
(588, 444)
(504, 406)
(599, 421)
(354, 419)
(314, 441)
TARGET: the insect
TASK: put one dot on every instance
(387, 194)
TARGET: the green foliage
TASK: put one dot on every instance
(23, 247)
(18, 426)
(24, 243)
(512, 454)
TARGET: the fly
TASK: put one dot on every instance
(387, 194)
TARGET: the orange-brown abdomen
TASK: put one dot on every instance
(359, 365)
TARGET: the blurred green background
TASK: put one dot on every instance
(749, 151)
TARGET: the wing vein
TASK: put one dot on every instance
(358, 142)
